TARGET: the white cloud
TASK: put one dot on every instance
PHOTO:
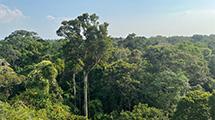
(57, 18)
(9, 15)
(50, 17)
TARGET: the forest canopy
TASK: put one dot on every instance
(87, 74)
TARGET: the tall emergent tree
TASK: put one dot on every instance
(88, 44)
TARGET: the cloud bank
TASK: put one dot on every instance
(9, 15)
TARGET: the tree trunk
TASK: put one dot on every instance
(74, 87)
(85, 94)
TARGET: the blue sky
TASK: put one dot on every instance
(143, 17)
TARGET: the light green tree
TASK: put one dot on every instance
(42, 88)
(10, 83)
(194, 106)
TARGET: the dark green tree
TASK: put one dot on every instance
(163, 90)
(90, 41)
(212, 105)
(21, 49)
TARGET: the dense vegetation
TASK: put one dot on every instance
(88, 74)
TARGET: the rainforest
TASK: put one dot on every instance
(88, 74)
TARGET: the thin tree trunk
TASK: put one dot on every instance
(85, 94)
(74, 87)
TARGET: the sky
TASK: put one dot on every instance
(143, 17)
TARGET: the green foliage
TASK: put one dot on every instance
(132, 78)
(119, 86)
(88, 40)
(132, 42)
(164, 89)
(88, 43)
(194, 106)
(96, 108)
(212, 105)
(22, 48)
(143, 112)
(59, 65)
(212, 65)
(178, 58)
(139, 112)
(41, 86)
(20, 111)
(10, 83)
